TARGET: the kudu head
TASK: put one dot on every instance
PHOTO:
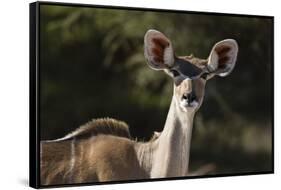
(189, 73)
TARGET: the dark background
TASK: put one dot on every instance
(92, 66)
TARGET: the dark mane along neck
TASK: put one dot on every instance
(101, 126)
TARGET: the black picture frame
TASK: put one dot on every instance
(35, 86)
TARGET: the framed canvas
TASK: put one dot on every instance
(120, 94)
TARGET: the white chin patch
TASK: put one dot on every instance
(185, 105)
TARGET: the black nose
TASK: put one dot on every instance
(190, 97)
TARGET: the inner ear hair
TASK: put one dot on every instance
(160, 49)
(223, 56)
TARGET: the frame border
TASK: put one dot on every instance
(34, 92)
(34, 128)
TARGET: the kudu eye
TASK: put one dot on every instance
(175, 73)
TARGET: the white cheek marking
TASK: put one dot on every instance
(183, 105)
(194, 104)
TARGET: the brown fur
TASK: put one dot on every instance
(101, 146)
(222, 53)
(105, 126)
(201, 63)
(106, 158)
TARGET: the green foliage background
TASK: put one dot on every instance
(92, 66)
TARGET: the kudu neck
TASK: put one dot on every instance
(178, 119)
(171, 156)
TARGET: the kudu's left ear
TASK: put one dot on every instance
(158, 50)
(222, 58)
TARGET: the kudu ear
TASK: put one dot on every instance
(158, 50)
(222, 58)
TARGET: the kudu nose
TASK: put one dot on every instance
(190, 97)
(186, 91)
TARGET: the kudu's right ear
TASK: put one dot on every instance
(158, 50)
(223, 56)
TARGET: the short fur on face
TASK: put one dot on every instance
(188, 72)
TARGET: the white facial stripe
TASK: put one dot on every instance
(72, 159)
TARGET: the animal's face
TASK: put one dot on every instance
(189, 74)
(189, 92)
